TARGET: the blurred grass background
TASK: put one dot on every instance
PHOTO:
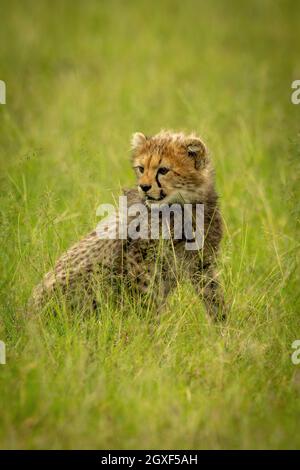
(81, 77)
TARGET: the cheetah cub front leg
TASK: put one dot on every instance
(207, 286)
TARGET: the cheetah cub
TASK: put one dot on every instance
(171, 168)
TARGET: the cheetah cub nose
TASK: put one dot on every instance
(145, 187)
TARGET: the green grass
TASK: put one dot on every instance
(81, 77)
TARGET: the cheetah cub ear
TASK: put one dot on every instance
(197, 150)
(137, 141)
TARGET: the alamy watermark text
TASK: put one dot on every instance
(174, 221)
(295, 96)
(2, 353)
(2, 92)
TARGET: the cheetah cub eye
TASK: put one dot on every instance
(163, 170)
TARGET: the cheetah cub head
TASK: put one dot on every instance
(171, 168)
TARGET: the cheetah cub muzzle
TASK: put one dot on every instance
(171, 168)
